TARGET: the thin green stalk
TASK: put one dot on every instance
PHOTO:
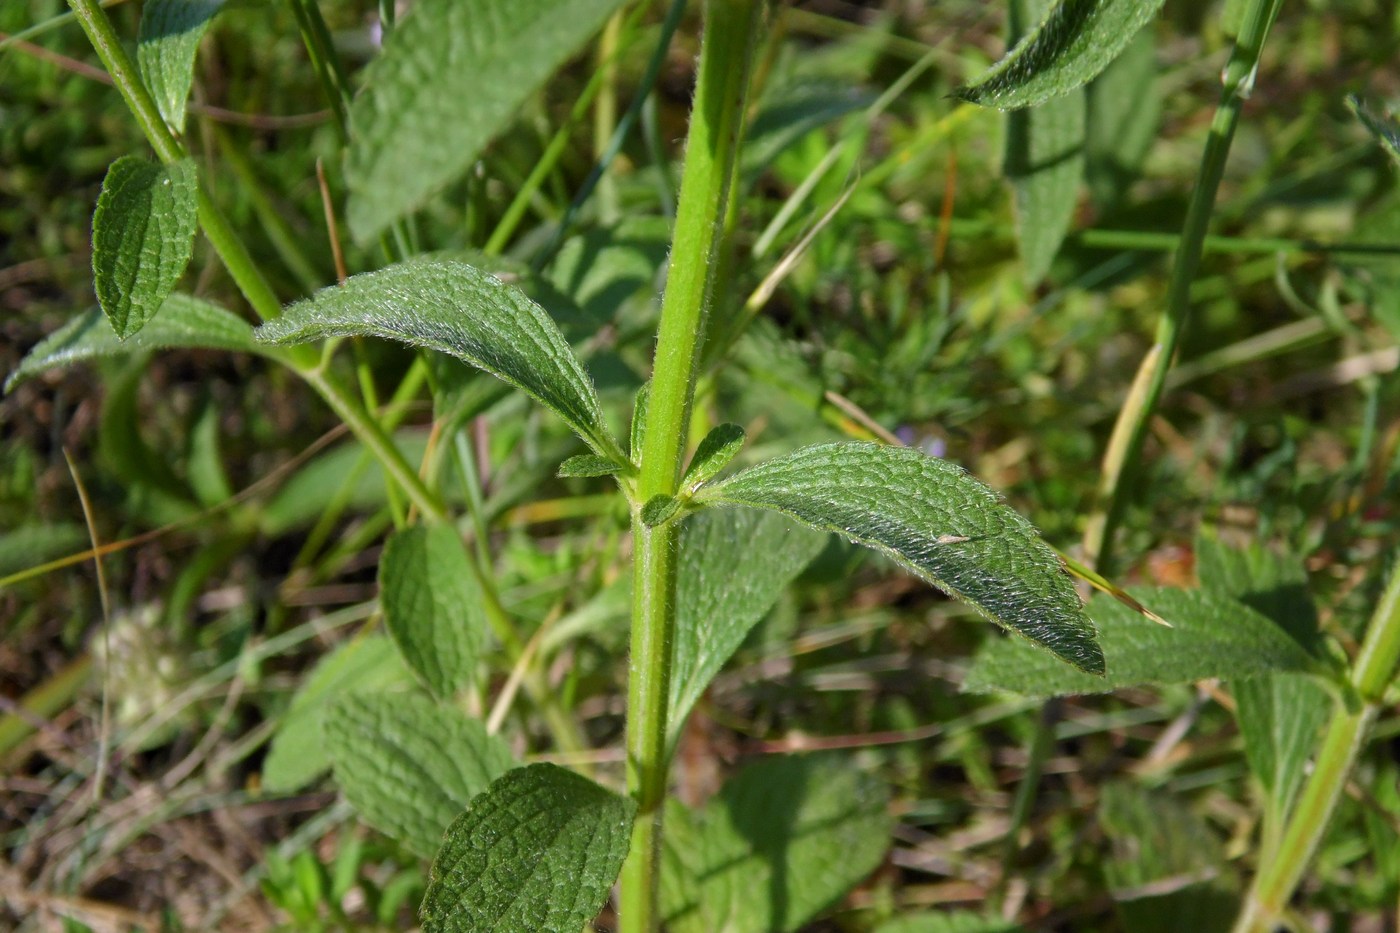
(716, 123)
(1371, 675)
(1125, 445)
(329, 71)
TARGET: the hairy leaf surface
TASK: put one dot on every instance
(165, 50)
(408, 765)
(451, 77)
(713, 454)
(1068, 49)
(937, 521)
(783, 840)
(142, 238)
(183, 321)
(466, 313)
(299, 752)
(735, 563)
(536, 853)
(1210, 637)
(433, 605)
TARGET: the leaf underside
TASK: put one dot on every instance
(451, 77)
(937, 521)
(463, 312)
(536, 852)
(1071, 47)
(142, 238)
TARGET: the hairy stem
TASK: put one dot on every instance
(1125, 444)
(716, 123)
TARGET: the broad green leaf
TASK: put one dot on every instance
(142, 238)
(433, 605)
(955, 921)
(1167, 871)
(408, 765)
(735, 563)
(536, 852)
(182, 322)
(1279, 715)
(462, 311)
(1124, 110)
(783, 840)
(1210, 637)
(588, 465)
(603, 269)
(1043, 163)
(712, 454)
(1067, 50)
(298, 752)
(1384, 128)
(934, 519)
(452, 76)
(165, 50)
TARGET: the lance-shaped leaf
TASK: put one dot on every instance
(182, 322)
(165, 50)
(713, 454)
(451, 77)
(1209, 637)
(408, 765)
(1383, 128)
(735, 563)
(142, 238)
(934, 519)
(782, 841)
(466, 313)
(1071, 47)
(536, 853)
(433, 605)
(584, 466)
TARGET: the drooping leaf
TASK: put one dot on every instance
(1124, 110)
(783, 840)
(183, 321)
(1167, 871)
(165, 50)
(299, 752)
(535, 853)
(735, 563)
(1068, 49)
(432, 605)
(956, 921)
(408, 765)
(1210, 637)
(459, 310)
(142, 238)
(934, 519)
(713, 454)
(1043, 163)
(451, 77)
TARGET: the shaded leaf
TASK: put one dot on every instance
(587, 465)
(735, 563)
(1271, 584)
(462, 311)
(955, 921)
(1384, 128)
(536, 853)
(659, 508)
(1124, 111)
(408, 765)
(783, 840)
(934, 519)
(451, 77)
(142, 238)
(169, 38)
(1167, 871)
(1210, 637)
(299, 752)
(712, 454)
(183, 321)
(1068, 49)
(433, 605)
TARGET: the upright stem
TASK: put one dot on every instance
(726, 57)
(1125, 445)
(1371, 675)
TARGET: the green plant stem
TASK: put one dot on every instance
(1125, 444)
(1372, 673)
(716, 122)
